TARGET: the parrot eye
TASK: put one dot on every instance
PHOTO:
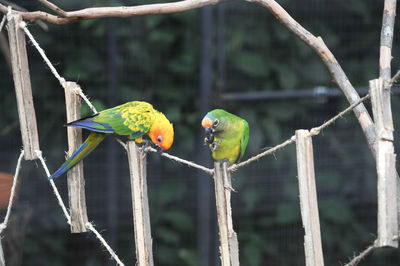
(159, 139)
(216, 122)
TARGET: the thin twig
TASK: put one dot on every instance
(189, 163)
(3, 225)
(119, 11)
(53, 7)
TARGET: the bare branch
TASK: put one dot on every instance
(120, 11)
(53, 7)
(336, 71)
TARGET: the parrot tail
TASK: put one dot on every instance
(90, 143)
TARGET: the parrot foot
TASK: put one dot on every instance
(144, 144)
(230, 188)
(215, 145)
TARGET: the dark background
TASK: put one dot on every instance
(186, 64)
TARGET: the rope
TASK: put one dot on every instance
(362, 255)
(53, 185)
(112, 253)
(189, 163)
(61, 203)
(53, 70)
(3, 21)
(313, 132)
(3, 225)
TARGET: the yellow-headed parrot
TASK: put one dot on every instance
(133, 119)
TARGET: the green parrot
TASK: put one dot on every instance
(132, 119)
(226, 134)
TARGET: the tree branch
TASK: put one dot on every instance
(103, 12)
(53, 7)
(336, 71)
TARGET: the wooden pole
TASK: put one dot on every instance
(229, 247)
(23, 91)
(2, 261)
(140, 204)
(385, 164)
(76, 181)
(308, 199)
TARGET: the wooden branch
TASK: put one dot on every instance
(76, 181)
(385, 165)
(337, 73)
(140, 204)
(23, 91)
(308, 199)
(389, 14)
(229, 247)
(53, 7)
(120, 11)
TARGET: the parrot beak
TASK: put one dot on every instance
(158, 148)
(209, 135)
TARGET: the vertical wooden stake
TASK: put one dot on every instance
(23, 91)
(76, 181)
(229, 247)
(308, 199)
(140, 204)
(2, 261)
(385, 164)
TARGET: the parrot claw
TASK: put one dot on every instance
(215, 145)
(230, 188)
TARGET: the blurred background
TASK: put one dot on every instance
(233, 55)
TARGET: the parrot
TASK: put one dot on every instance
(133, 119)
(226, 134)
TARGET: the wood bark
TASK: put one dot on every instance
(385, 165)
(140, 204)
(229, 246)
(308, 199)
(23, 90)
(76, 181)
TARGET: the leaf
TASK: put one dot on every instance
(288, 213)
(250, 63)
(167, 235)
(179, 220)
(336, 211)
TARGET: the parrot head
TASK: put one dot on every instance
(161, 132)
(211, 122)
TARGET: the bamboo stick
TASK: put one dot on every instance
(76, 181)
(385, 164)
(23, 91)
(140, 204)
(229, 247)
(308, 199)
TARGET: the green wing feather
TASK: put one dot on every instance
(244, 140)
(132, 118)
